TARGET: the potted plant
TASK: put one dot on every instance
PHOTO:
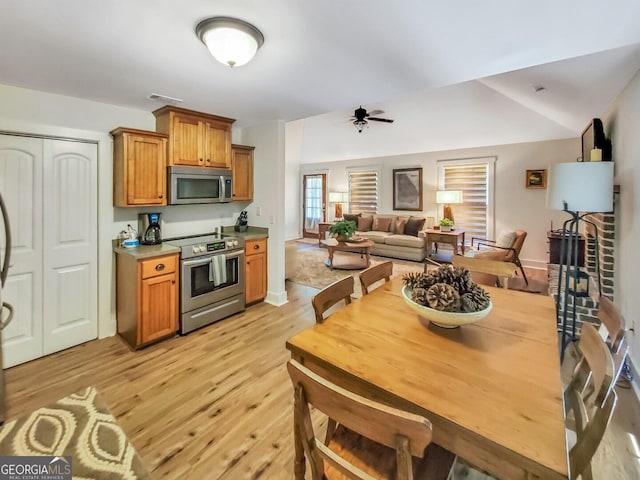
(446, 225)
(343, 230)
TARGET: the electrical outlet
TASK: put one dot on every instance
(259, 211)
(272, 219)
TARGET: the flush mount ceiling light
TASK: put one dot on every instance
(231, 41)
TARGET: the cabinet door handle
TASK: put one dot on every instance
(208, 160)
(173, 281)
(160, 267)
(200, 161)
(159, 196)
(256, 246)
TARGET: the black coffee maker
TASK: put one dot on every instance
(149, 228)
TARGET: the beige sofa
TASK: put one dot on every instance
(396, 236)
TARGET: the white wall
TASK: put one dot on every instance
(622, 124)
(292, 197)
(268, 207)
(516, 206)
(40, 113)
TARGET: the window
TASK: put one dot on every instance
(363, 191)
(474, 177)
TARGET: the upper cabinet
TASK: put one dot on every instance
(242, 168)
(139, 168)
(195, 139)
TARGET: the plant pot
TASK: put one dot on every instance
(445, 228)
(342, 238)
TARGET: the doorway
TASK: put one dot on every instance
(313, 204)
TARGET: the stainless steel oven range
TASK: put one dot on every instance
(211, 279)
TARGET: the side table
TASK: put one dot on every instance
(454, 237)
(323, 228)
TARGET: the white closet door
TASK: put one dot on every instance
(21, 185)
(70, 244)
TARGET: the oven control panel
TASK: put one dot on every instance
(217, 246)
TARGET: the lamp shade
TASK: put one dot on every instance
(449, 196)
(231, 41)
(338, 197)
(581, 187)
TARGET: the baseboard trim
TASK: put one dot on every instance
(277, 299)
(538, 264)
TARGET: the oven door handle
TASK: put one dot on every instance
(202, 261)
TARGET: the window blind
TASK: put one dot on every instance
(363, 191)
(473, 179)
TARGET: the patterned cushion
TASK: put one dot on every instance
(506, 239)
(364, 223)
(399, 224)
(79, 426)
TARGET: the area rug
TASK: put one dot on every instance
(312, 271)
(79, 426)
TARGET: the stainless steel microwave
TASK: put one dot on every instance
(188, 185)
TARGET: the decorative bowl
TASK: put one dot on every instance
(444, 319)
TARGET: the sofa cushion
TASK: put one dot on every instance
(399, 224)
(375, 236)
(414, 225)
(382, 223)
(364, 223)
(353, 217)
(404, 241)
(506, 239)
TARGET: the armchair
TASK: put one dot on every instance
(498, 250)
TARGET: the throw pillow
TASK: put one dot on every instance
(506, 239)
(352, 217)
(381, 224)
(400, 225)
(364, 223)
(413, 226)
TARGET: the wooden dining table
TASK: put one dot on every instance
(492, 390)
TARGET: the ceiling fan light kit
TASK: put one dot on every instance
(231, 41)
(361, 116)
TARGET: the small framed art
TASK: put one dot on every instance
(536, 179)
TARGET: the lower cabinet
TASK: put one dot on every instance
(146, 298)
(256, 270)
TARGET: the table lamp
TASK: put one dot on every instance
(447, 197)
(338, 198)
(576, 187)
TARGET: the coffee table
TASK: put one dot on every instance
(350, 262)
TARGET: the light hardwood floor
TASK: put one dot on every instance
(217, 403)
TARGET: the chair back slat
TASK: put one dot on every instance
(331, 295)
(485, 270)
(371, 419)
(371, 275)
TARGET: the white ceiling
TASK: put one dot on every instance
(459, 73)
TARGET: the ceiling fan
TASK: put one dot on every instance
(360, 117)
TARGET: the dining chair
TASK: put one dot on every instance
(371, 275)
(503, 250)
(486, 271)
(332, 294)
(586, 417)
(591, 413)
(371, 440)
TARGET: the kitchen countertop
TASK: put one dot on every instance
(146, 251)
(150, 251)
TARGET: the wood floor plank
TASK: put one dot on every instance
(216, 403)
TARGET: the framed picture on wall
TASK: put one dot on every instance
(536, 179)
(407, 189)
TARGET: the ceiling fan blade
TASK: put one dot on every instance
(375, 112)
(376, 119)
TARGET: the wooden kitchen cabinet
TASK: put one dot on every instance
(195, 139)
(139, 168)
(146, 298)
(242, 168)
(256, 270)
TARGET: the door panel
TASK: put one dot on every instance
(21, 161)
(70, 245)
(313, 208)
(187, 145)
